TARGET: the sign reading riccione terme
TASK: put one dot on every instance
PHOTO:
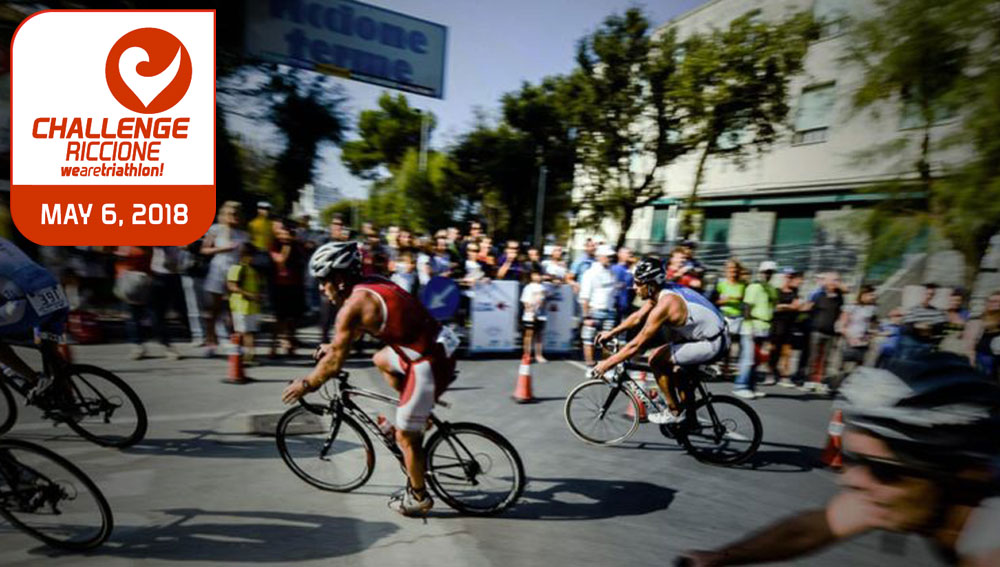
(113, 141)
(350, 39)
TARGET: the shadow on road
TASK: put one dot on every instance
(243, 536)
(588, 499)
(204, 444)
(786, 458)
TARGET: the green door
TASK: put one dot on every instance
(659, 230)
(793, 238)
(716, 231)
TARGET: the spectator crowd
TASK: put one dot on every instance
(240, 274)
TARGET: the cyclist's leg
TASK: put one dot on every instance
(391, 367)
(10, 359)
(662, 364)
(411, 418)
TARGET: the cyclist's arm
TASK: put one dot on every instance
(669, 311)
(359, 314)
(633, 320)
(845, 516)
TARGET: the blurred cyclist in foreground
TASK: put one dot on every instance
(921, 448)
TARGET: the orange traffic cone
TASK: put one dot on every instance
(522, 392)
(832, 455)
(236, 375)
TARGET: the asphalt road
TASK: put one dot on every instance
(200, 490)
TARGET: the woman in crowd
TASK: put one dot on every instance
(857, 324)
(287, 288)
(133, 284)
(221, 243)
(555, 267)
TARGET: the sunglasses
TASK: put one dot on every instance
(886, 471)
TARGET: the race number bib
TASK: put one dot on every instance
(449, 340)
(48, 300)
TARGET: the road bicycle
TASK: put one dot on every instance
(716, 428)
(472, 468)
(50, 499)
(93, 402)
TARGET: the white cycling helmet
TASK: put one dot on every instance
(335, 256)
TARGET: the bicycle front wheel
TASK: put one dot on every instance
(326, 452)
(726, 431)
(51, 499)
(102, 408)
(474, 469)
(8, 409)
(601, 414)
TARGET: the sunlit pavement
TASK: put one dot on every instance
(200, 490)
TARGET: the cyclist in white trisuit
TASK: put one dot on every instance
(687, 328)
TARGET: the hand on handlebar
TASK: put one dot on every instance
(601, 337)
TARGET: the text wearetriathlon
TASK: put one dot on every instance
(341, 20)
(127, 129)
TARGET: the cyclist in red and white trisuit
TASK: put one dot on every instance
(418, 360)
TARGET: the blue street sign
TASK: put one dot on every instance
(440, 296)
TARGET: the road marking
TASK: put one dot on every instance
(577, 364)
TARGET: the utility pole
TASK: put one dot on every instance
(540, 206)
(425, 128)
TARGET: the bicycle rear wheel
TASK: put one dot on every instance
(326, 452)
(102, 407)
(8, 409)
(729, 437)
(51, 499)
(601, 414)
(474, 469)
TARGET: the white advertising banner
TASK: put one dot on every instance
(559, 328)
(494, 316)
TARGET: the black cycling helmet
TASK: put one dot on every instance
(934, 411)
(335, 256)
(650, 270)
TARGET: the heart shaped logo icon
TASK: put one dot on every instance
(148, 70)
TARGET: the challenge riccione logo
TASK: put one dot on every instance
(113, 141)
(148, 70)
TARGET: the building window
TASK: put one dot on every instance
(832, 17)
(910, 115)
(812, 120)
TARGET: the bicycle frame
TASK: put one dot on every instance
(686, 394)
(341, 402)
(52, 364)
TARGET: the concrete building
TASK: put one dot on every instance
(798, 203)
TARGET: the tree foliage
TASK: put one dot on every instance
(498, 165)
(627, 125)
(732, 85)
(930, 59)
(386, 134)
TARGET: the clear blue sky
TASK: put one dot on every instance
(492, 48)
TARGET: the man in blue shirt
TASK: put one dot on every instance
(626, 294)
(583, 263)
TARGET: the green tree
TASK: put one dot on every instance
(732, 86)
(540, 114)
(495, 169)
(928, 60)
(498, 165)
(308, 113)
(386, 134)
(627, 125)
